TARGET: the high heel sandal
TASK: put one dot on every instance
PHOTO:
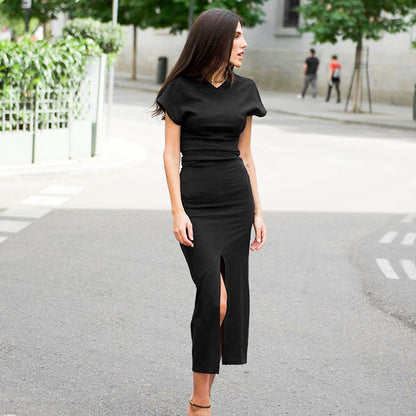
(198, 405)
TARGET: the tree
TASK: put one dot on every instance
(163, 13)
(160, 14)
(43, 11)
(356, 20)
(96, 9)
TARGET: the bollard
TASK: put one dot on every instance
(414, 104)
(162, 68)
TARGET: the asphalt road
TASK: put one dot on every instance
(96, 299)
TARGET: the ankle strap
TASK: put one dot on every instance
(197, 405)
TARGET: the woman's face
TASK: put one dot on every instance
(239, 45)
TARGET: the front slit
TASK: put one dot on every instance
(222, 273)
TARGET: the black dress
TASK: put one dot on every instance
(217, 197)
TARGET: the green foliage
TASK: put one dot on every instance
(27, 64)
(109, 38)
(41, 10)
(17, 24)
(165, 13)
(355, 20)
(95, 9)
(27, 67)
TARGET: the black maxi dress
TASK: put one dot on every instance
(217, 197)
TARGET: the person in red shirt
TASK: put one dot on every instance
(334, 78)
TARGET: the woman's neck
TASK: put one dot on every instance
(218, 76)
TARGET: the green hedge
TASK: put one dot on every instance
(110, 39)
(27, 63)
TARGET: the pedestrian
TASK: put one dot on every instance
(5, 33)
(215, 202)
(334, 78)
(310, 69)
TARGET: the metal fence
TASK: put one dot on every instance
(45, 108)
(16, 111)
(57, 122)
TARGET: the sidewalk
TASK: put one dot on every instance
(384, 115)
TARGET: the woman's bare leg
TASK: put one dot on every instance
(223, 311)
(203, 382)
(200, 395)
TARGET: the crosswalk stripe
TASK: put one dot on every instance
(62, 190)
(45, 200)
(409, 239)
(12, 226)
(387, 269)
(409, 218)
(409, 267)
(388, 237)
(25, 212)
(35, 206)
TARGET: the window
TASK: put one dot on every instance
(291, 16)
(287, 18)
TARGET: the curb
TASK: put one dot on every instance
(345, 121)
(124, 155)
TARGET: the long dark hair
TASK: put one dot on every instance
(208, 47)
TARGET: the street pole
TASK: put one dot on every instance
(115, 12)
(191, 13)
(111, 74)
(26, 5)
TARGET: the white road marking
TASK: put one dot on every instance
(387, 269)
(409, 218)
(39, 205)
(25, 212)
(46, 201)
(12, 226)
(388, 237)
(410, 268)
(409, 239)
(63, 190)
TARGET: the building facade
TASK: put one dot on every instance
(276, 53)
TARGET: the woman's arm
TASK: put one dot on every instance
(244, 145)
(182, 226)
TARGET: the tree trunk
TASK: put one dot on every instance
(134, 66)
(356, 107)
(47, 30)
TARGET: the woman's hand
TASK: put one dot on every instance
(182, 228)
(261, 234)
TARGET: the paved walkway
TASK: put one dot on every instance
(383, 115)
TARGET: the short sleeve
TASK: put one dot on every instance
(170, 102)
(256, 107)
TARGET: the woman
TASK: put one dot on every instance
(334, 78)
(208, 111)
